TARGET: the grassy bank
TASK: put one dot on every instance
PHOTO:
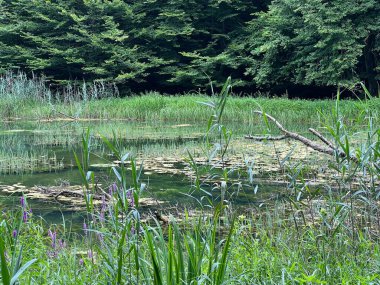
(262, 248)
(186, 109)
(31, 99)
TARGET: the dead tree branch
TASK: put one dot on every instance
(322, 138)
(266, 138)
(328, 149)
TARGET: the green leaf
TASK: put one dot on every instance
(4, 268)
(21, 270)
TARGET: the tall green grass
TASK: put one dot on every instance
(31, 99)
(154, 106)
(19, 93)
(311, 235)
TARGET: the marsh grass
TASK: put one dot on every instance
(265, 248)
(32, 99)
(28, 162)
(185, 109)
(17, 157)
(308, 236)
(19, 93)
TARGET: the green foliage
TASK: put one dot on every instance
(11, 250)
(327, 236)
(166, 42)
(314, 42)
(72, 39)
(179, 45)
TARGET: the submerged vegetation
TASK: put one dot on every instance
(313, 232)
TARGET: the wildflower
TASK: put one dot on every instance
(100, 237)
(131, 198)
(55, 250)
(25, 213)
(104, 202)
(112, 189)
(53, 237)
(14, 233)
(52, 254)
(25, 216)
(81, 262)
(85, 228)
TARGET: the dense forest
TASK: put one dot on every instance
(175, 46)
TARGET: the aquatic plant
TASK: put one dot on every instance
(11, 253)
(321, 233)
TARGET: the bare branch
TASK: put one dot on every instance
(322, 138)
(266, 138)
(328, 150)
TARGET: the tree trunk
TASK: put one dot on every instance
(370, 65)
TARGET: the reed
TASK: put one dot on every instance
(32, 99)
(310, 235)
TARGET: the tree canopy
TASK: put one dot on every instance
(173, 45)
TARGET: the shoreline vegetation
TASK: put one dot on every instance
(23, 98)
(154, 106)
(323, 235)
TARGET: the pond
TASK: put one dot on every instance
(39, 155)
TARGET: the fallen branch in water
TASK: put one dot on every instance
(266, 138)
(67, 116)
(328, 149)
(322, 138)
(68, 193)
(65, 191)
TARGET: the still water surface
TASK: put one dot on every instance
(41, 153)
